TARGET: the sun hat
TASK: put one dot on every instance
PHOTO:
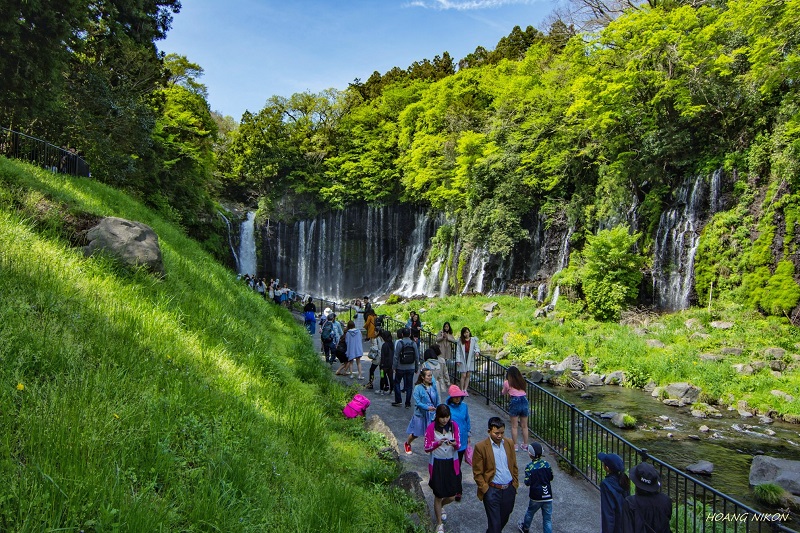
(455, 392)
(612, 461)
(645, 477)
(535, 449)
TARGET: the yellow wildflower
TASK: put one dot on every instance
(20, 386)
(116, 416)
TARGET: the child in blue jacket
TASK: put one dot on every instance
(538, 476)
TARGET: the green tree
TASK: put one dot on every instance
(611, 272)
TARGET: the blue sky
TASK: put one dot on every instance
(251, 49)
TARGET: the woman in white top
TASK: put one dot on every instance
(466, 353)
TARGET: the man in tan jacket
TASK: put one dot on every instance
(494, 467)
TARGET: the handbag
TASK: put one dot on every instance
(468, 454)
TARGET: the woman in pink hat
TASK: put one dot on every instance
(459, 413)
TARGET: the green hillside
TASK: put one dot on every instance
(133, 403)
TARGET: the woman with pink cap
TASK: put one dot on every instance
(459, 413)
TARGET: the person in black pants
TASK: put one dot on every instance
(387, 359)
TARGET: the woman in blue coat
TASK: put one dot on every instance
(614, 488)
(459, 413)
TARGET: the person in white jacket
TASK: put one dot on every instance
(466, 354)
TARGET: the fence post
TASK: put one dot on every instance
(572, 439)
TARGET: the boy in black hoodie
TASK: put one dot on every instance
(538, 476)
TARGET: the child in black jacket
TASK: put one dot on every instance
(538, 476)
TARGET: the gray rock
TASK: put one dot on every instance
(701, 467)
(641, 332)
(572, 362)
(792, 419)
(607, 415)
(619, 420)
(769, 432)
(699, 335)
(758, 365)
(710, 357)
(743, 369)
(411, 482)
(704, 428)
(506, 336)
(775, 353)
(673, 402)
(591, 380)
(587, 396)
(651, 386)
(133, 243)
(376, 424)
(656, 392)
(718, 324)
(776, 374)
(693, 324)
(615, 378)
(745, 414)
(655, 343)
(777, 365)
(697, 413)
(535, 377)
(765, 420)
(683, 391)
(731, 351)
(783, 395)
(693, 437)
(488, 308)
(783, 472)
(489, 317)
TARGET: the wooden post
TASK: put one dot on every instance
(710, 292)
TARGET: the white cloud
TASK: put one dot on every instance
(464, 5)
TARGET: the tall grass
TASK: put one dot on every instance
(133, 403)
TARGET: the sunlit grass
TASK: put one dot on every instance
(133, 403)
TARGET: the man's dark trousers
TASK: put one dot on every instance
(498, 505)
(407, 376)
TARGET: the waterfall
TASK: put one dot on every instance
(537, 245)
(715, 196)
(541, 292)
(230, 240)
(676, 243)
(355, 252)
(247, 246)
(445, 281)
(477, 264)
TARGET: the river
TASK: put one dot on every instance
(730, 443)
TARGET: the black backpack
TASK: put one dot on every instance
(407, 354)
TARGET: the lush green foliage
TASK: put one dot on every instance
(611, 272)
(585, 130)
(185, 403)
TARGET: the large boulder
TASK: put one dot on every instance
(783, 472)
(133, 243)
(572, 362)
(683, 391)
(705, 468)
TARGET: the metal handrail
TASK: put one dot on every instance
(576, 438)
(16, 145)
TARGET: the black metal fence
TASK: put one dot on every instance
(576, 438)
(14, 144)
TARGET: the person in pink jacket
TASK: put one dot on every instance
(442, 442)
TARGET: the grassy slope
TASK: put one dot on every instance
(138, 404)
(618, 347)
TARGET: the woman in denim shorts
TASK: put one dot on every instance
(518, 408)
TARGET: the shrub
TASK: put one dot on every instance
(611, 272)
(629, 421)
(769, 493)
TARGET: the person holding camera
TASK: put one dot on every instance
(442, 442)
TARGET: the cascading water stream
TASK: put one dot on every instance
(247, 246)
(230, 241)
(676, 243)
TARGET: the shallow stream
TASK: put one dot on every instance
(729, 444)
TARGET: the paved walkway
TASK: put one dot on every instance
(576, 505)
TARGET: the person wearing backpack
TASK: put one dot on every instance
(405, 364)
(326, 337)
(648, 510)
